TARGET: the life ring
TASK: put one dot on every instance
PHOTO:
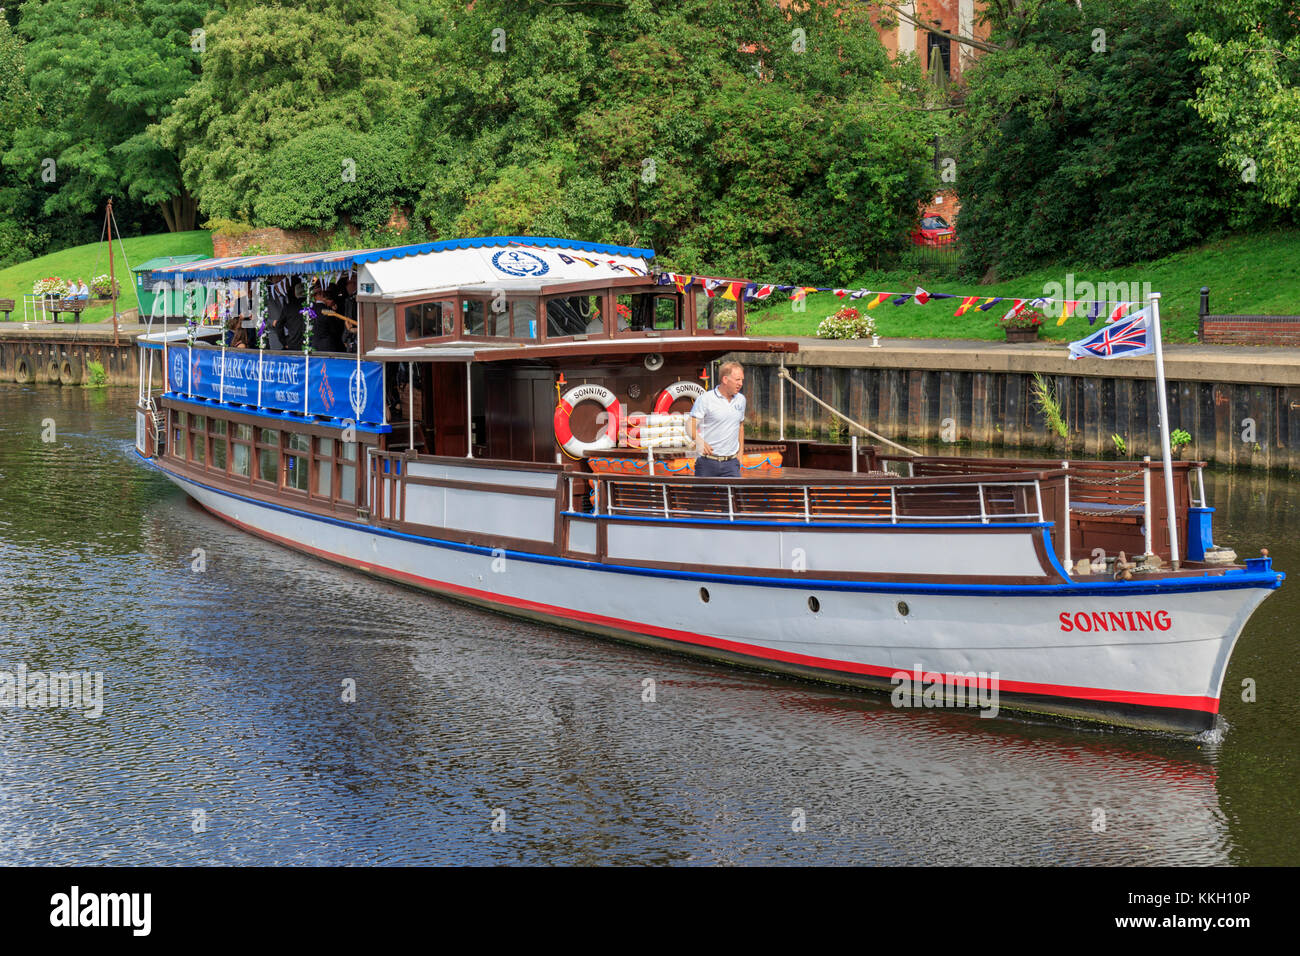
(676, 390)
(24, 370)
(576, 396)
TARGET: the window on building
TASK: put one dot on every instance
(939, 56)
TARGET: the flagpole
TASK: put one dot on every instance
(1164, 430)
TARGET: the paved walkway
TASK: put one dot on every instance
(1257, 365)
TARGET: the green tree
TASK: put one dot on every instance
(1082, 146)
(312, 84)
(731, 135)
(101, 72)
(19, 201)
(1250, 89)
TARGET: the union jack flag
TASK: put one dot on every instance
(1124, 339)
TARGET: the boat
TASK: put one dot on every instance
(508, 432)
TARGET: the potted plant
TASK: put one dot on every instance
(847, 323)
(1178, 439)
(1022, 326)
(102, 288)
(51, 287)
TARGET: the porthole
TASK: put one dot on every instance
(814, 605)
(903, 609)
(704, 595)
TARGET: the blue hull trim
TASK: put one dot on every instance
(1231, 581)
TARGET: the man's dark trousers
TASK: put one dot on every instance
(708, 468)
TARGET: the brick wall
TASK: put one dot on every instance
(1276, 330)
(273, 241)
(945, 203)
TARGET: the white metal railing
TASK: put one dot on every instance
(877, 503)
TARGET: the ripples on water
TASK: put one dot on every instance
(223, 694)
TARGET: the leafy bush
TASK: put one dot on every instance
(323, 178)
(97, 377)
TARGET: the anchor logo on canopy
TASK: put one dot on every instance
(178, 369)
(516, 263)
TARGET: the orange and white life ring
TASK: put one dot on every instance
(676, 390)
(575, 396)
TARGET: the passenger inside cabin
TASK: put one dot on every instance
(290, 325)
(327, 327)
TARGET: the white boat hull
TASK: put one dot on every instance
(1152, 657)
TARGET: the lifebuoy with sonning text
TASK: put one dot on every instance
(608, 438)
(664, 402)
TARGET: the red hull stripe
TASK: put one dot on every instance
(1208, 705)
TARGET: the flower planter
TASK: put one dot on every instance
(1022, 335)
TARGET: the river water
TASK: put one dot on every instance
(224, 737)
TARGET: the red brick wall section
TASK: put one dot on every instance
(1277, 330)
(274, 241)
(944, 203)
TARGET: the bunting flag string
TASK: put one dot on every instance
(734, 290)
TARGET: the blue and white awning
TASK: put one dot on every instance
(311, 263)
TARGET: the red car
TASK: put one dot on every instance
(933, 231)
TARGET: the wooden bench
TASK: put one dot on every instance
(75, 306)
(7, 307)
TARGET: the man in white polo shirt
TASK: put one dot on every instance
(717, 425)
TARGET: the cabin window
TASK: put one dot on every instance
(241, 455)
(324, 467)
(426, 320)
(473, 316)
(198, 443)
(387, 323)
(297, 461)
(646, 312)
(573, 315)
(498, 319)
(219, 444)
(178, 434)
(268, 455)
(525, 318)
(716, 314)
(348, 472)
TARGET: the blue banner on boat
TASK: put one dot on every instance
(334, 387)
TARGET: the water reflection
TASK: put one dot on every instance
(225, 694)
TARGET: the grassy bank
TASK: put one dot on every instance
(92, 260)
(1246, 274)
